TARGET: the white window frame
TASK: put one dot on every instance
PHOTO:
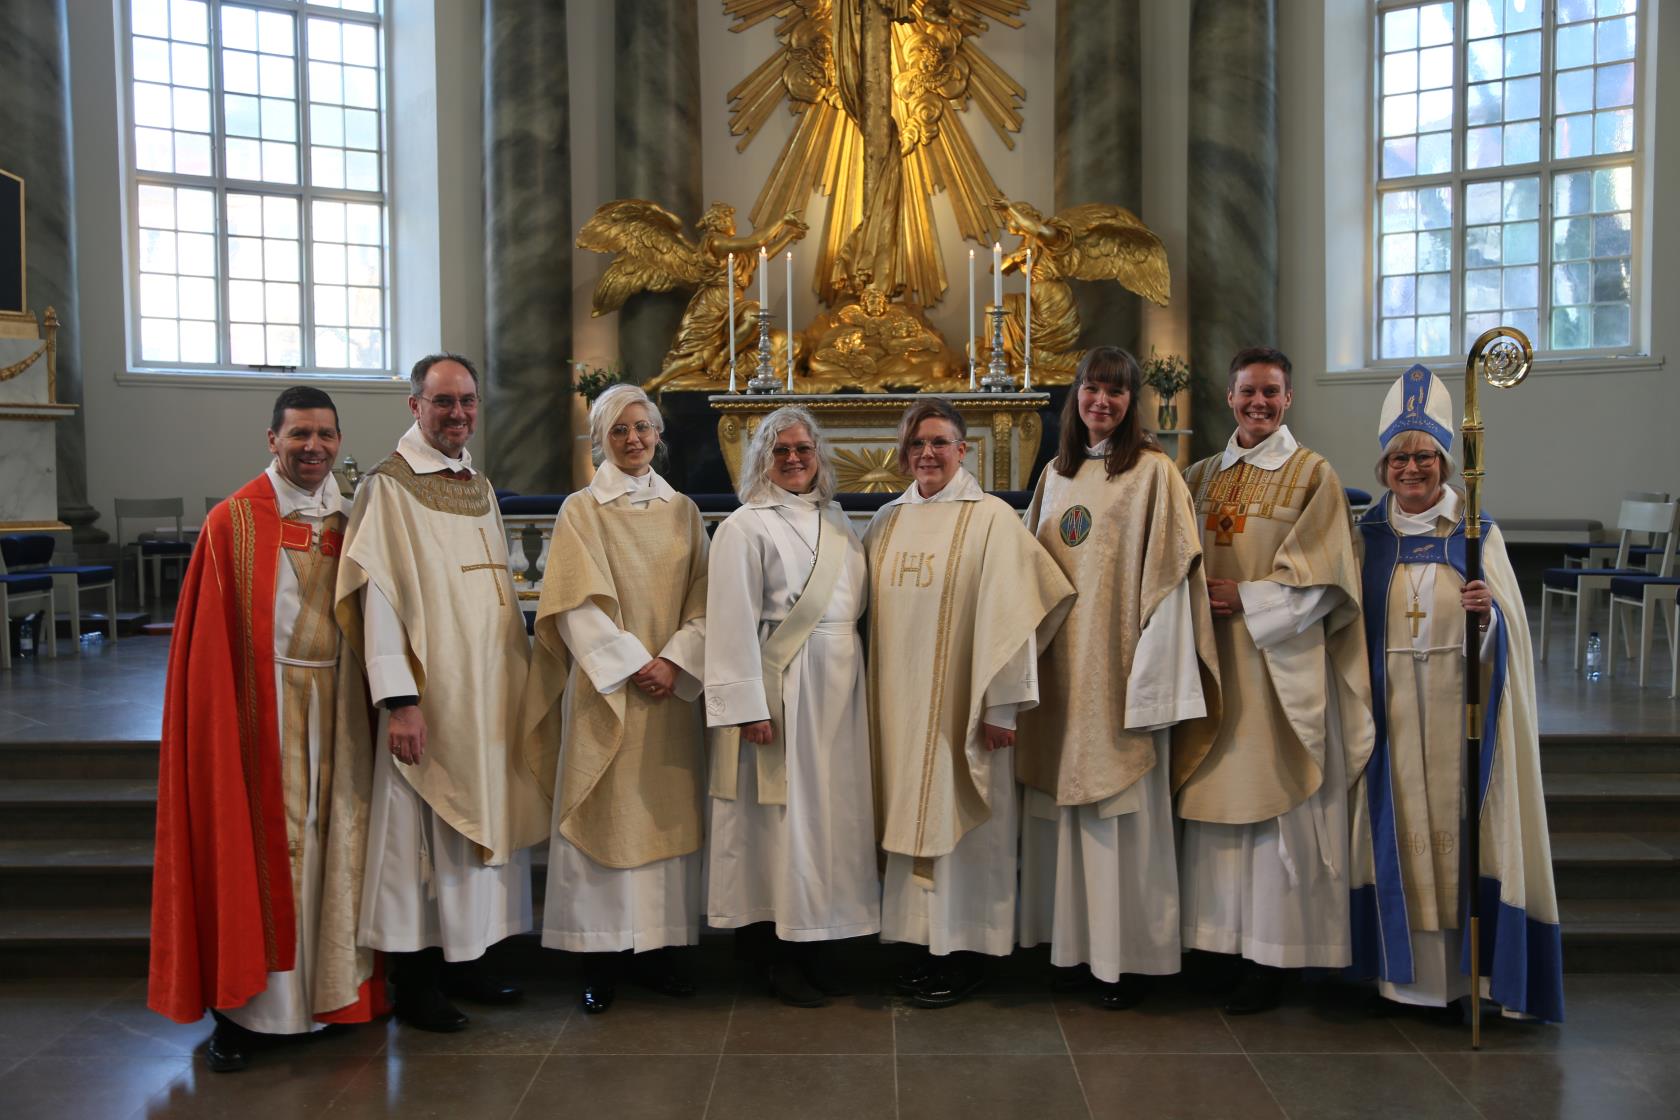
(220, 185)
(1458, 176)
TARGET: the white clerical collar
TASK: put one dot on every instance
(1098, 450)
(1419, 524)
(776, 496)
(296, 500)
(611, 483)
(963, 488)
(423, 458)
(1269, 454)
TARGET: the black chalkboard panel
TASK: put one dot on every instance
(11, 243)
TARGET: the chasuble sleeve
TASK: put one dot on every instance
(1165, 685)
(388, 668)
(734, 605)
(607, 655)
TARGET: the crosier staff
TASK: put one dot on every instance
(1502, 356)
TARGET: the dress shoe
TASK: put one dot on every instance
(427, 1009)
(1261, 990)
(919, 972)
(1075, 979)
(1129, 991)
(824, 971)
(598, 996)
(952, 982)
(789, 983)
(664, 971)
(1212, 974)
(472, 983)
(227, 1049)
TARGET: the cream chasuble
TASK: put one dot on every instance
(804, 860)
(960, 596)
(626, 577)
(1099, 879)
(427, 604)
(1412, 794)
(306, 643)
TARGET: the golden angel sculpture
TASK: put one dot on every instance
(651, 254)
(877, 86)
(1095, 241)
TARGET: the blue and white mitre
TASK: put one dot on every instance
(1417, 402)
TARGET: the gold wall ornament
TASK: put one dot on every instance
(1094, 241)
(868, 470)
(872, 345)
(651, 254)
(876, 86)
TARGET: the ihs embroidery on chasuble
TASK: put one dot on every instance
(1075, 526)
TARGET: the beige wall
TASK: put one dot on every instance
(151, 437)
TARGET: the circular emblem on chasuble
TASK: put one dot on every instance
(1075, 526)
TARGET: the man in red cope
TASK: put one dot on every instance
(266, 764)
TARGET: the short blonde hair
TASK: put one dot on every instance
(1413, 440)
(606, 410)
(755, 467)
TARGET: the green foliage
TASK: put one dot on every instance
(1166, 375)
(590, 381)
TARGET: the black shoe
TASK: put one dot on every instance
(823, 970)
(789, 983)
(664, 971)
(469, 981)
(954, 981)
(427, 1009)
(598, 996)
(919, 972)
(227, 1048)
(1212, 974)
(1129, 991)
(1261, 990)
(1074, 979)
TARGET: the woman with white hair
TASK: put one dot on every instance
(1409, 880)
(791, 864)
(626, 576)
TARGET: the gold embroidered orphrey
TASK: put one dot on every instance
(490, 565)
(464, 497)
(1231, 496)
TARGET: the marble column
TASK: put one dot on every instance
(1233, 224)
(656, 146)
(527, 245)
(35, 143)
(1099, 142)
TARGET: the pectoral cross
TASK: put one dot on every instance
(1226, 521)
(492, 566)
(1416, 615)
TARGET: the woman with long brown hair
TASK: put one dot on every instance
(1135, 658)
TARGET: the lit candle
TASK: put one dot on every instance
(789, 260)
(763, 281)
(730, 326)
(1026, 358)
(997, 274)
(970, 320)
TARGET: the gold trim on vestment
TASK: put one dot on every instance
(464, 497)
(941, 651)
(314, 638)
(244, 578)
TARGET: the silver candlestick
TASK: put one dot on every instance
(997, 378)
(764, 379)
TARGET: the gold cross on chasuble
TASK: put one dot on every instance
(492, 566)
(1226, 521)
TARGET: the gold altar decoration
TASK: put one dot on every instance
(876, 86)
(1004, 431)
(1096, 241)
(651, 254)
(874, 345)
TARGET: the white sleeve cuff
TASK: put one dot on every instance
(737, 702)
(610, 665)
(391, 675)
(1000, 715)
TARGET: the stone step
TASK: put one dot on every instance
(1621, 934)
(1602, 753)
(52, 874)
(1613, 802)
(78, 808)
(109, 759)
(109, 941)
(1597, 865)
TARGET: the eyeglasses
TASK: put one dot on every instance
(939, 445)
(803, 450)
(622, 431)
(1424, 459)
(447, 404)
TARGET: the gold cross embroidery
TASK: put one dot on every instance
(1225, 521)
(491, 566)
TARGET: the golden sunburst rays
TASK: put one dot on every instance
(866, 470)
(939, 71)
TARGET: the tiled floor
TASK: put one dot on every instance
(91, 1050)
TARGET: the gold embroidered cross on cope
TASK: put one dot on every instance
(492, 566)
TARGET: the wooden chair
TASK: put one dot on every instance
(147, 544)
(1661, 519)
(1598, 554)
(31, 554)
(26, 589)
